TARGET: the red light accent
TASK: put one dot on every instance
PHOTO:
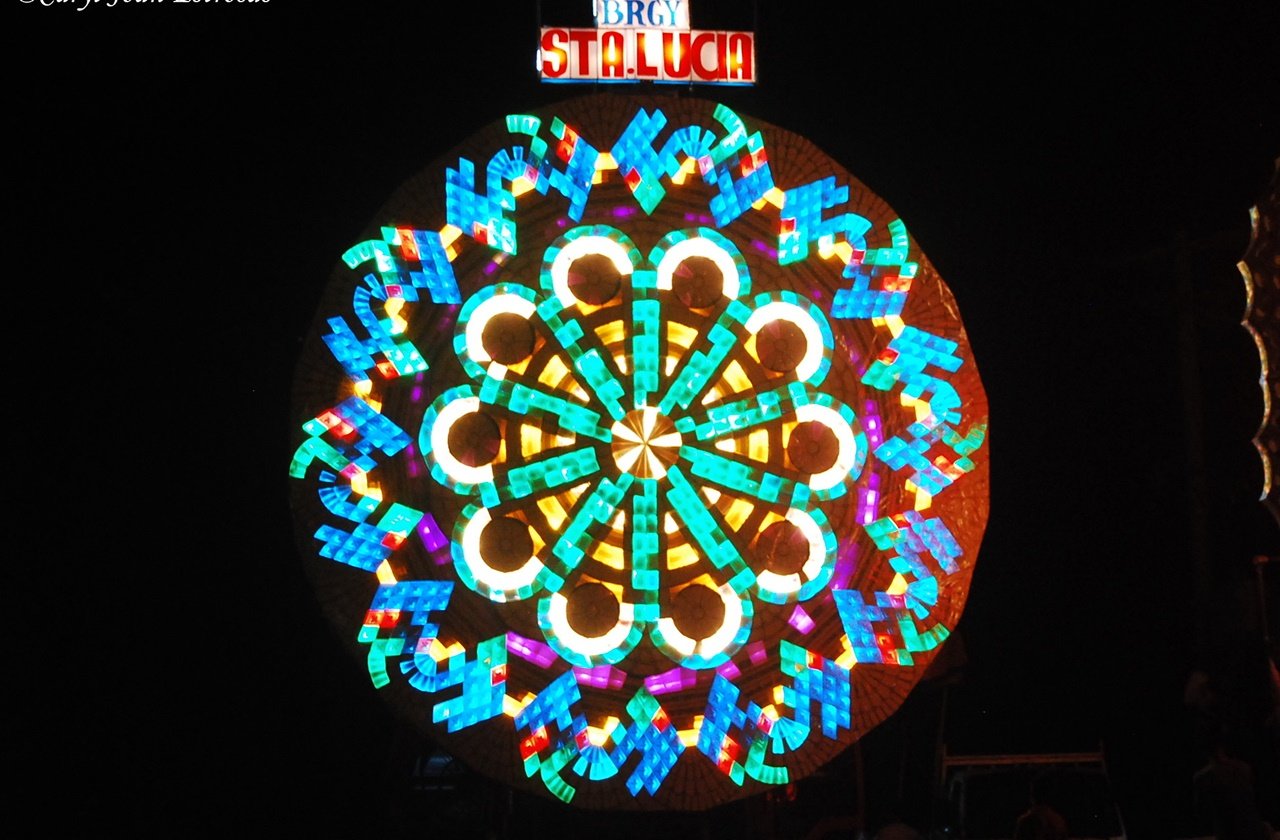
(534, 743)
(661, 721)
(632, 178)
(389, 619)
(408, 247)
(424, 644)
(888, 356)
(583, 740)
(393, 541)
(387, 370)
(498, 675)
(787, 225)
(351, 471)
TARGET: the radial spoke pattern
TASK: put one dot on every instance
(659, 464)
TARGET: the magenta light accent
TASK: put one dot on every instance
(416, 394)
(601, 676)
(529, 650)
(872, 424)
(757, 653)
(729, 671)
(433, 539)
(764, 248)
(411, 464)
(699, 218)
(846, 562)
(800, 620)
(624, 212)
(562, 222)
(677, 679)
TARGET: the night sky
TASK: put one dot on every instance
(1080, 179)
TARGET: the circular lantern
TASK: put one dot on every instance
(640, 454)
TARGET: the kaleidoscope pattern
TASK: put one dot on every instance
(644, 482)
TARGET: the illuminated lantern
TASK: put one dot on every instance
(1258, 267)
(640, 454)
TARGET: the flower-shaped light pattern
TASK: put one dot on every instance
(678, 495)
(650, 436)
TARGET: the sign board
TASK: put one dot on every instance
(636, 41)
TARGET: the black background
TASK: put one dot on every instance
(187, 175)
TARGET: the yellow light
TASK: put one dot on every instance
(681, 335)
(739, 510)
(392, 307)
(571, 495)
(612, 334)
(727, 445)
(610, 555)
(846, 659)
(735, 377)
(898, 586)
(553, 511)
(530, 440)
(758, 445)
(681, 556)
(686, 169)
(386, 576)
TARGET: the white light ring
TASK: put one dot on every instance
(700, 246)
(504, 584)
(484, 313)
(846, 457)
(717, 642)
(780, 310)
(584, 246)
(593, 647)
(784, 586)
(449, 414)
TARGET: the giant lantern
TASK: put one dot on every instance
(640, 454)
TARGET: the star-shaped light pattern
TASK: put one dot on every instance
(666, 492)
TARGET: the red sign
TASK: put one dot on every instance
(647, 55)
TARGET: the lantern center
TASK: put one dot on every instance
(645, 443)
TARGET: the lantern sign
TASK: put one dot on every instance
(647, 41)
(640, 454)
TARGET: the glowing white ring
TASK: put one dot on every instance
(780, 310)
(585, 246)
(847, 455)
(485, 312)
(506, 583)
(558, 617)
(717, 641)
(700, 246)
(789, 584)
(448, 415)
